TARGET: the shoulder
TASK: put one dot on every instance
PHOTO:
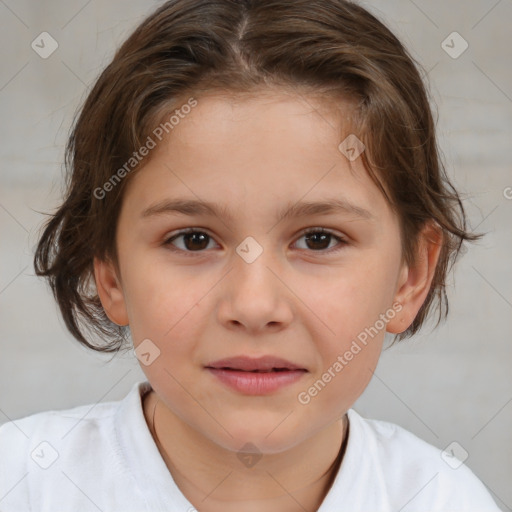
(37, 439)
(417, 474)
(44, 452)
(21, 434)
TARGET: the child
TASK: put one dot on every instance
(261, 130)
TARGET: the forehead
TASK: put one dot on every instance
(285, 114)
(254, 150)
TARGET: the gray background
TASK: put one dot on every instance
(453, 384)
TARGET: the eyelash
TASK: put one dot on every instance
(310, 231)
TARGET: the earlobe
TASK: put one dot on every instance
(110, 291)
(415, 280)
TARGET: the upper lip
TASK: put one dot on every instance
(245, 363)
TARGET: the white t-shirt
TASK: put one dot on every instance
(103, 457)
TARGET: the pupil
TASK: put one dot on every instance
(315, 236)
(196, 238)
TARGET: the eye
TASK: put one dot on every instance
(194, 240)
(319, 240)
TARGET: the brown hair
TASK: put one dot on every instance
(330, 47)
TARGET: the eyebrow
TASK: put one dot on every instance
(193, 207)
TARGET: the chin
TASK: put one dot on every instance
(261, 438)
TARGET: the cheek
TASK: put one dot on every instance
(341, 383)
(161, 302)
(348, 302)
(351, 305)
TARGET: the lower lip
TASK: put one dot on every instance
(254, 383)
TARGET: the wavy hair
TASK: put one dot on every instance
(332, 48)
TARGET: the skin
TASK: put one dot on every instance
(255, 155)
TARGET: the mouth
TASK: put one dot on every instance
(262, 376)
(265, 364)
(252, 371)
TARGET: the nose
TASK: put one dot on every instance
(255, 297)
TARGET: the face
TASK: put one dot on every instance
(251, 281)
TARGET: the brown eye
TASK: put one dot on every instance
(318, 240)
(196, 241)
(193, 240)
(321, 240)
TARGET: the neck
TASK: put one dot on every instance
(213, 479)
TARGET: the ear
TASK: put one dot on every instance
(110, 291)
(415, 279)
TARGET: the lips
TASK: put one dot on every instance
(263, 364)
(256, 376)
